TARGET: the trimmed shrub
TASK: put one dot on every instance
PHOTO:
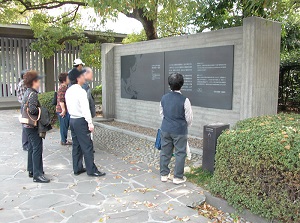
(46, 101)
(258, 166)
(97, 93)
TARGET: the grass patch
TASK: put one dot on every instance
(200, 177)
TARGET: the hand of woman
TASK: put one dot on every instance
(63, 113)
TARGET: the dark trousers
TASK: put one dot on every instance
(169, 142)
(24, 139)
(64, 123)
(82, 146)
(35, 151)
(24, 136)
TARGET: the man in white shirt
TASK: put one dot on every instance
(81, 125)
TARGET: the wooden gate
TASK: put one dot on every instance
(15, 56)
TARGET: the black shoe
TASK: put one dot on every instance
(30, 174)
(80, 172)
(94, 151)
(41, 179)
(97, 174)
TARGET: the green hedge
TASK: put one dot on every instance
(46, 101)
(258, 166)
(97, 93)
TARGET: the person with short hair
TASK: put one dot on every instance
(61, 109)
(35, 148)
(21, 88)
(177, 115)
(81, 126)
(88, 75)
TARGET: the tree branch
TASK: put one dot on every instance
(48, 5)
(75, 11)
(89, 36)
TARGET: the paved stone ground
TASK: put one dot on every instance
(131, 191)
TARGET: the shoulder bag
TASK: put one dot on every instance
(27, 118)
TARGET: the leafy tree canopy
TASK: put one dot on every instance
(220, 14)
(159, 18)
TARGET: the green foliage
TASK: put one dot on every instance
(177, 21)
(258, 166)
(135, 37)
(200, 177)
(90, 53)
(45, 100)
(97, 92)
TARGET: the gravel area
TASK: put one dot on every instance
(193, 142)
(133, 149)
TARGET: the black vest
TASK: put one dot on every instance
(174, 114)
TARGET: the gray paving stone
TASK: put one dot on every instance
(113, 205)
(85, 216)
(54, 186)
(91, 199)
(161, 216)
(46, 201)
(69, 210)
(128, 216)
(49, 217)
(10, 215)
(152, 180)
(152, 196)
(85, 187)
(13, 201)
(114, 189)
(192, 198)
(178, 192)
(175, 209)
(112, 178)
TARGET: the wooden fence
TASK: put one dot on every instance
(16, 55)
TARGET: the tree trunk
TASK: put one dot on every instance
(148, 24)
(150, 29)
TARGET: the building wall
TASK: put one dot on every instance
(146, 113)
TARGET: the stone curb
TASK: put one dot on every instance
(219, 203)
(138, 135)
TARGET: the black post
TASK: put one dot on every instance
(210, 136)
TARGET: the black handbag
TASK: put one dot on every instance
(27, 118)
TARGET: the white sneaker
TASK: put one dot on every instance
(178, 180)
(165, 178)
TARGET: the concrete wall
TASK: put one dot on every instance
(256, 66)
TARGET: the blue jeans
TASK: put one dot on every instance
(64, 123)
